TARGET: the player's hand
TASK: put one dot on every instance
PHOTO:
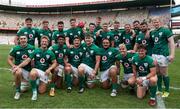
(171, 58)
(47, 72)
(14, 68)
(139, 81)
(93, 74)
(131, 51)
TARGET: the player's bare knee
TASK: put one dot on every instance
(131, 81)
(153, 80)
(33, 74)
(67, 69)
(81, 71)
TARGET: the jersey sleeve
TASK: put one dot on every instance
(168, 33)
(12, 52)
(52, 56)
(32, 55)
(151, 62)
(19, 33)
(98, 51)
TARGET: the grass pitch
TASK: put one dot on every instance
(91, 98)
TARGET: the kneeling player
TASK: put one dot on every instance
(125, 58)
(74, 56)
(144, 75)
(18, 54)
(59, 50)
(108, 69)
(90, 63)
(45, 62)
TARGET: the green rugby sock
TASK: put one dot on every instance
(114, 86)
(18, 89)
(153, 91)
(34, 85)
(68, 80)
(52, 85)
(166, 81)
(159, 83)
(81, 81)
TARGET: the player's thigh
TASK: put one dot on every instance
(141, 91)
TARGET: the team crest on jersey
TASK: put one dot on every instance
(76, 57)
(127, 41)
(71, 52)
(37, 55)
(24, 56)
(25, 32)
(42, 60)
(108, 37)
(79, 32)
(33, 31)
(60, 55)
(110, 53)
(80, 53)
(49, 34)
(41, 34)
(104, 58)
(75, 36)
(145, 64)
(87, 54)
(139, 38)
(57, 35)
(130, 59)
(47, 56)
(144, 42)
(29, 51)
(156, 39)
(116, 37)
(126, 64)
(153, 36)
(71, 33)
(18, 52)
(136, 63)
(30, 35)
(84, 48)
(64, 50)
(91, 51)
(119, 34)
(141, 68)
(160, 34)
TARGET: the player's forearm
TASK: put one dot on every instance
(134, 69)
(24, 63)
(152, 73)
(53, 66)
(172, 47)
(10, 62)
(97, 63)
(135, 47)
(112, 43)
(16, 40)
(67, 41)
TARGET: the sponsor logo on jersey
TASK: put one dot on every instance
(71, 52)
(80, 53)
(71, 33)
(24, 56)
(87, 54)
(60, 55)
(141, 68)
(108, 37)
(104, 58)
(160, 34)
(116, 37)
(127, 41)
(91, 51)
(119, 34)
(30, 35)
(143, 42)
(79, 32)
(156, 39)
(126, 64)
(49, 34)
(30, 51)
(42, 60)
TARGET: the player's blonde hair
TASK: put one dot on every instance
(122, 45)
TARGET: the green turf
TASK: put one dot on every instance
(92, 98)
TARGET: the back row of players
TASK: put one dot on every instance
(79, 54)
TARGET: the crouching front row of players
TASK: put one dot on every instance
(80, 64)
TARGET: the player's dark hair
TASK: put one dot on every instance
(136, 21)
(98, 18)
(72, 19)
(116, 22)
(141, 46)
(60, 22)
(92, 24)
(143, 23)
(45, 21)
(30, 19)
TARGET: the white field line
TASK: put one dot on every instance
(160, 102)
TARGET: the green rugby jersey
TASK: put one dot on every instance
(56, 34)
(89, 54)
(160, 38)
(31, 34)
(117, 35)
(60, 52)
(103, 35)
(47, 33)
(128, 40)
(108, 58)
(42, 58)
(143, 65)
(21, 53)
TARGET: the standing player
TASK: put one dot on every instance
(45, 62)
(98, 24)
(58, 32)
(137, 27)
(144, 39)
(28, 31)
(125, 58)
(72, 33)
(117, 40)
(74, 56)
(45, 31)
(18, 54)
(90, 63)
(92, 31)
(59, 50)
(108, 69)
(163, 42)
(128, 36)
(104, 33)
(144, 75)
